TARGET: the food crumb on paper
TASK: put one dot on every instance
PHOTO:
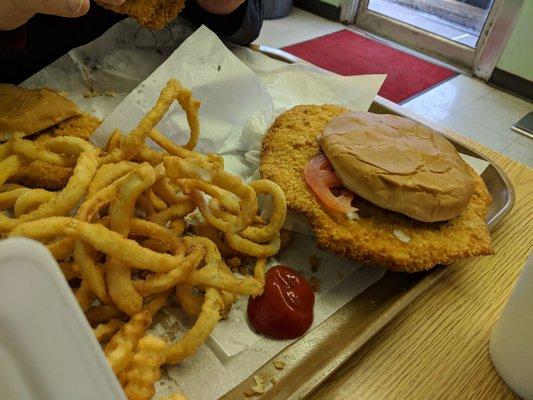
(111, 94)
(273, 381)
(279, 364)
(314, 262)
(258, 388)
(314, 282)
(286, 237)
(91, 92)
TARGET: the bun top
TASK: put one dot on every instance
(31, 111)
(398, 164)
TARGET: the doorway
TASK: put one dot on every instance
(467, 33)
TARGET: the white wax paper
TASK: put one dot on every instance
(241, 92)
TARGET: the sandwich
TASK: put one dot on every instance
(28, 111)
(379, 189)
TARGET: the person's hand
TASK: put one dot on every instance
(220, 7)
(14, 13)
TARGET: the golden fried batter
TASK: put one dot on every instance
(82, 126)
(204, 229)
(40, 174)
(152, 14)
(287, 148)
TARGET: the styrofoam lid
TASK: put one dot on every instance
(47, 348)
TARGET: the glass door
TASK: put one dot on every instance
(456, 31)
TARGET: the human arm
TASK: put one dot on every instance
(234, 20)
(15, 13)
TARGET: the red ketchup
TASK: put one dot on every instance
(285, 309)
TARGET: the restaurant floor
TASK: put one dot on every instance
(463, 104)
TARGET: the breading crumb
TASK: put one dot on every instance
(91, 92)
(314, 282)
(279, 364)
(259, 387)
(314, 262)
(286, 237)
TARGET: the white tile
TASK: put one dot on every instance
(297, 27)
(470, 127)
(496, 114)
(472, 85)
(505, 99)
(442, 101)
(521, 150)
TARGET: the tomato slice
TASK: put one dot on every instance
(320, 176)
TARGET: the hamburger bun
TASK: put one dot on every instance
(31, 111)
(398, 164)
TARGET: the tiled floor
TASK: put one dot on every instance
(464, 104)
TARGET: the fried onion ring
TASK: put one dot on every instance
(202, 328)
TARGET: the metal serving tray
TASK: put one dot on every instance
(310, 360)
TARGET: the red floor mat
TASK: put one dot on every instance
(348, 53)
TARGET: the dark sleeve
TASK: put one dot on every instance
(44, 38)
(241, 26)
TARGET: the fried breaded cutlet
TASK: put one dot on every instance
(152, 14)
(40, 174)
(375, 237)
(82, 126)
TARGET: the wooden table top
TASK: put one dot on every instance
(438, 346)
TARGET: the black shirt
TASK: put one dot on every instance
(44, 38)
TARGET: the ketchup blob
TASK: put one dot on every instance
(285, 309)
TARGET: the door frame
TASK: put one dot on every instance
(494, 36)
(481, 60)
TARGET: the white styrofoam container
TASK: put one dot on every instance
(47, 348)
